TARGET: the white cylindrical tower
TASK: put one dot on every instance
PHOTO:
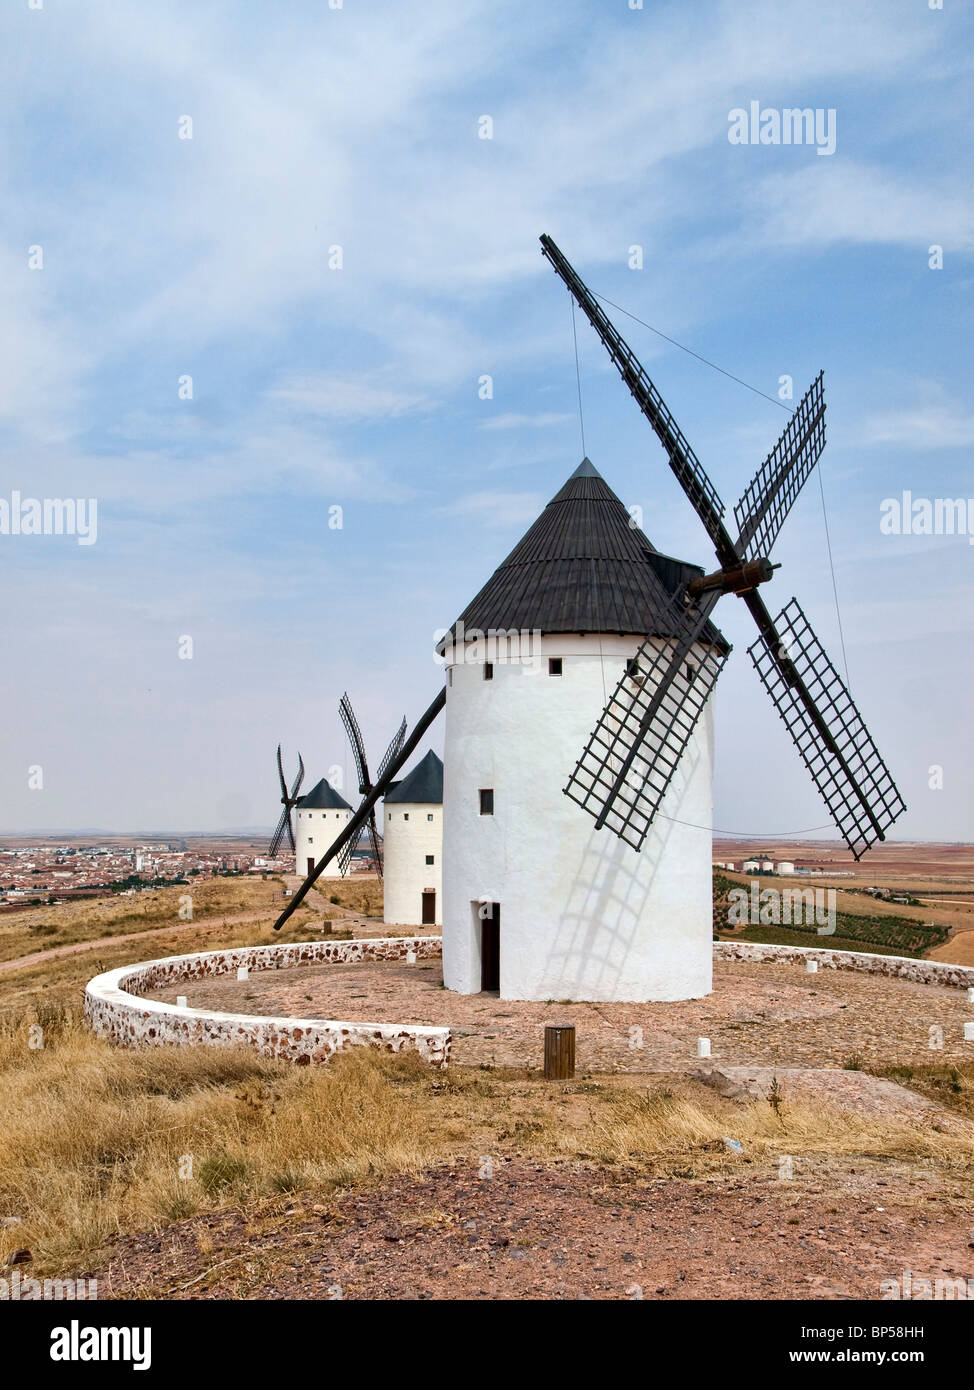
(412, 867)
(318, 818)
(537, 901)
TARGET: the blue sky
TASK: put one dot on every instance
(357, 387)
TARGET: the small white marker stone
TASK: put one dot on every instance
(970, 995)
(969, 1032)
(410, 957)
(242, 972)
(703, 1047)
(811, 967)
(181, 1001)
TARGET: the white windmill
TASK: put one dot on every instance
(538, 903)
(412, 835)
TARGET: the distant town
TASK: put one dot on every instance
(46, 873)
(44, 869)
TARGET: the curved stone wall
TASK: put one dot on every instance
(923, 972)
(116, 1008)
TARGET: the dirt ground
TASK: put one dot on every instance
(757, 1014)
(525, 1230)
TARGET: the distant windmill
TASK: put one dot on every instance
(365, 783)
(288, 799)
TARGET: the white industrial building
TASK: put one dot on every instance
(319, 819)
(537, 902)
(412, 871)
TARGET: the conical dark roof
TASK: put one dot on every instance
(323, 797)
(424, 783)
(582, 567)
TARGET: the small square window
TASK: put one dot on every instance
(554, 666)
(430, 816)
(632, 668)
(405, 815)
(429, 859)
(486, 801)
(488, 670)
(691, 672)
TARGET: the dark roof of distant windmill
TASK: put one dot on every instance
(323, 797)
(424, 783)
(582, 567)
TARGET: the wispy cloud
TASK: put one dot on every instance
(498, 509)
(514, 421)
(852, 201)
(345, 397)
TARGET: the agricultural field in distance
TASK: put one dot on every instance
(938, 878)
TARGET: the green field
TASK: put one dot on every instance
(887, 936)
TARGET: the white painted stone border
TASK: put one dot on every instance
(132, 1019)
(923, 972)
(114, 1011)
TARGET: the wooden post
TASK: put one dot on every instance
(559, 1052)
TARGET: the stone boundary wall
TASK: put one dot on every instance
(924, 972)
(115, 1007)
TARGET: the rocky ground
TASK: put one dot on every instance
(758, 1014)
(534, 1231)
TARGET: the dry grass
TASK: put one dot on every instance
(362, 895)
(214, 900)
(86, 919)
(95, 1140)
(60, 980)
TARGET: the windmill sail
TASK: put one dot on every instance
(284, 825)
(826, 726)
(634, 750)
(827, 730)
(771, 493)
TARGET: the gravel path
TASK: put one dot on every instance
(758, 1014)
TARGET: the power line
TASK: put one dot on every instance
(747, 385)
(746, 834)
(683, 348)
(835, 591)
(578, 377)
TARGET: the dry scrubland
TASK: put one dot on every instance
(93, 1139)
(226, 912)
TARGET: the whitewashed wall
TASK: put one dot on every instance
(314, 831)
(405, 872)
(583, 916)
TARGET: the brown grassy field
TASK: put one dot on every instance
(98, 1141)
(99, 1144)
(226, 912)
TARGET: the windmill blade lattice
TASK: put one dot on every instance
(631, 757)
(288, 799)
(355, 739)
(392, 750)
(845, 766)
(365, 782)
(689, 471)
(634, 750)
(771, 493)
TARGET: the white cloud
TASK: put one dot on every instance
(498, 509)
(344, 397)
(850, 201)
(514, 421)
